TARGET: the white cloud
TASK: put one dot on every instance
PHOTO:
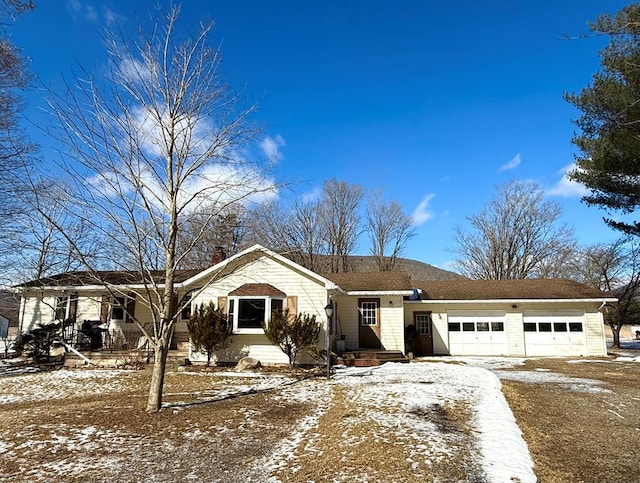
(83, 9)
(88, 11)
(271, 147)
(313, 195)
(566, 187)
(421, 214)
(514, 163)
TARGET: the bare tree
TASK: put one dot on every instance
(225, 231)
(614, 268)
(340, 221)
(515, 236)
(147, 149)
(389, 230)
(16, 150)
(294, 232)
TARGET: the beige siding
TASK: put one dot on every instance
(88, 307)
(37, 308)
(348, 320)
(594, 326)
(312, 298)
(245, 345)
(440, 332)
(392, 323)
(515, 333)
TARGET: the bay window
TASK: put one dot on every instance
(248, 314)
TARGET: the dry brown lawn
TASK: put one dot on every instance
(576, 435)
(94, 428)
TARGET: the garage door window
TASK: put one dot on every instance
(477, 326)
(555, 327)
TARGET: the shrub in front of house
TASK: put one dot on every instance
(210, 330)
(294, 334)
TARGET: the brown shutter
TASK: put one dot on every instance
(104, 309)
(222, 304)
(292, 305)
(130, 308)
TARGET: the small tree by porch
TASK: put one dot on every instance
(293, 334)
(210, 329)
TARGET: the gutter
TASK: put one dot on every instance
(507, 301)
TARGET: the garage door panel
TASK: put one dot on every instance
(554, 334)
(478, 334)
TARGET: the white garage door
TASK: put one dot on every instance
(477, 334)
(554, 334)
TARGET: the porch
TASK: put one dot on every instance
(370, 357)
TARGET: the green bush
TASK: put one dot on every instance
(210, 329)
(37, 343)
(294, 335)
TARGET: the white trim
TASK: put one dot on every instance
(236, 311)
(506, 301)
(377, 293)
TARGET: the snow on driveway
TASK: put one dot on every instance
(504, 453)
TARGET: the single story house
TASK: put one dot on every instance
(375, 310)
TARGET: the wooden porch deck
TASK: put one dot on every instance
(372, 357)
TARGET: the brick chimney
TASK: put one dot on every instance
(218, 255)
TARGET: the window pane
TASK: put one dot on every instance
(559, 327)
(422, 323)
(544, 326)
(497, 326)
(61, 308)
(186, 311)
(369, 313)
(117, 309)
(482, 326)
(251, 313)
(468, 326)
(575, 326)
(529, 326)
(454, 326)
(231, 310)
(276, 307)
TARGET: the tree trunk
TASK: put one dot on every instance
(154, 402)
(615, 329)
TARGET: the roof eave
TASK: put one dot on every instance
(379, 292)
(512, 301)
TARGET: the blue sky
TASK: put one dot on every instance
(434, 102)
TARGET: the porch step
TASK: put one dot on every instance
(367, 358)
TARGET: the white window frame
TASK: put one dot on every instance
(115, 304)
(234, 306)
(62, 302)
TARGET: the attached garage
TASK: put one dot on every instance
(554, 334)
(531, 317)
(478, 333)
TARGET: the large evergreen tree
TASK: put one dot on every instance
(608, 163)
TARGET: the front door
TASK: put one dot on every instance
(424, 333)
(369, 323)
